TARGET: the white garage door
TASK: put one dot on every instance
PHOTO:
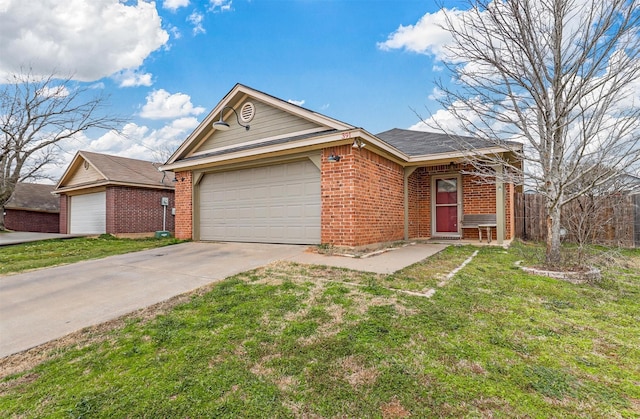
(88, 214)
(270, 204)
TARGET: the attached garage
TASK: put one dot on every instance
(269, 204)
(88, 213)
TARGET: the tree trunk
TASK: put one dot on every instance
(553, 236)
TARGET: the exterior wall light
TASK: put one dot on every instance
(359, 144)
(223, 126)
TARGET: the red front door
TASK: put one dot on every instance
(446, 205)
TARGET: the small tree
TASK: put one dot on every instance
(36, 114)
(559, 76)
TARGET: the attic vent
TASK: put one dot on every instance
(247, 112)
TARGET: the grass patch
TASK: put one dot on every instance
(291, 340)
(42, 254)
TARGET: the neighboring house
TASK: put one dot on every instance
(297, 176)
(32, 207)
(100, 194)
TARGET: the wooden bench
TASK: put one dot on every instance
(480, 221)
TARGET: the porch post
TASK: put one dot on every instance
(407, 172)
(500, 204)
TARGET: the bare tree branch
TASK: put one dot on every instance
(36, 113)
(559, 76)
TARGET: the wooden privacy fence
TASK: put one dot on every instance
(612, 220)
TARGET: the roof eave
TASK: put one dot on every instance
(319, 142)
(416, 160)
(105, 183)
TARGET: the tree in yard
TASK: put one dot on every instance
(36, 114)
(561, 77)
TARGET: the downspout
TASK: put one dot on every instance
(407, 172)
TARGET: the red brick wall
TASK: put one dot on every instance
(362, 198)
(64, 214)
(23, 220)
(184, 206)
(137, 210)
(479, 197)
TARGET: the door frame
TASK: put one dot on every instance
(434, 178)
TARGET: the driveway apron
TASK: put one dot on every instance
(38, 306)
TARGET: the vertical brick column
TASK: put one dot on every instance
(64, 213)
(184, 205)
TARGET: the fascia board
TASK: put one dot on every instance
(416, 160)
(108, 183)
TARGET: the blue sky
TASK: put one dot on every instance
(166, 64)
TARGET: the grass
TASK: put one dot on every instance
(42, 254)
(293, 340)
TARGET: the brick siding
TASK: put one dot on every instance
(35, 221)
(137, 210)
(479, 197)
(184, 206)
(64, 214)
(362, 198)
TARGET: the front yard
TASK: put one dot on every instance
(306, 341)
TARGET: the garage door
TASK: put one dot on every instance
(270, 204)
(88, 213)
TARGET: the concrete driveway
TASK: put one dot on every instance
(38, 306)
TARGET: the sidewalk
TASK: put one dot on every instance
(18, 237)
(385, 263)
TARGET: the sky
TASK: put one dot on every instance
(165, 65)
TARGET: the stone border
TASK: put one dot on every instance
(574, 277)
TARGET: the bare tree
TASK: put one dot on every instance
(36, 114)
(559, 76)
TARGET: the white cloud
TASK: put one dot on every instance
(88, 39)
(163, 105)
(436, 94)
(219, 5)
(133, 78)
(54, 91)
(425, 37)
(134, 141)
(175, 32)
(196, 19)
(296, 102)
(174, 5)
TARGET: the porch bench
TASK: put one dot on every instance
(480, 221)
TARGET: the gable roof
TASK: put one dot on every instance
(34, 197)
(113, 170)
(239, 94)
(273, 136)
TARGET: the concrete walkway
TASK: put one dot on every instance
(385, 263)
(17, 237)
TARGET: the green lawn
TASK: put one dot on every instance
(41, 254)
(300, 341)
